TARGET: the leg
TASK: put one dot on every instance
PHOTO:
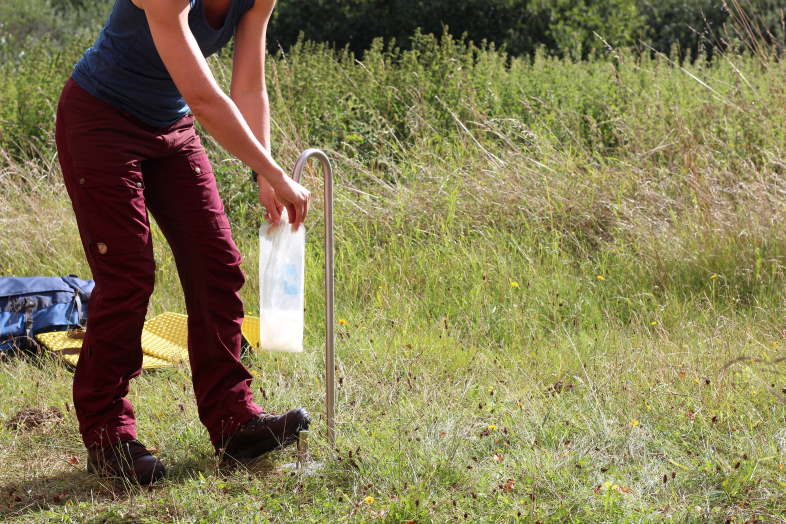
(104, 180)
(182, 196)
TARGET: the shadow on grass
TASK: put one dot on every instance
(62, 488)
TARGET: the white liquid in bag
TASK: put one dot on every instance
(281, 331)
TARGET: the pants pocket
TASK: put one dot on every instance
(111, 211)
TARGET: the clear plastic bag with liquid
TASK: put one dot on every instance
(281, 268)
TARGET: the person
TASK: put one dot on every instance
(127, 146)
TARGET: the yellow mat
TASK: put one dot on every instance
(164, 340)
(67, 348)
(166, 337)
(250, 330)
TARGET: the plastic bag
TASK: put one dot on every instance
(281, 265)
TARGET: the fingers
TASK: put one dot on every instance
(302, 211)
(273, 207)
(292, 213)
(273, 213)
(296, 201)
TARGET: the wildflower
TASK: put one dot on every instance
(633, 423)
(254, 372)
(491, 427)
(713, 276)
(611, 486)
(600, 277)
(342, 321)
(514, 284)
(654, 323)
(369, 500)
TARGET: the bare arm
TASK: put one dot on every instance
(177, 47)
(249, 89)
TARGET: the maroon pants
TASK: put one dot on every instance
(116, 169)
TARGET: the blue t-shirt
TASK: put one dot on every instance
(124, 69)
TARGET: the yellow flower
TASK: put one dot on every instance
(254, 372)
(654, 323)
(491, 427)
(514, 284)
(633, 423)
(342, 321)
(369, 500)
(600, 277)
(713, 276)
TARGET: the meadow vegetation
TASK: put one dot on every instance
(560, 285)
(575, 28)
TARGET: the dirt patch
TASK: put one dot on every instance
(559, 387)
(30, 418)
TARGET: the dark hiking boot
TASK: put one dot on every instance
(128, 459)
(262, 433)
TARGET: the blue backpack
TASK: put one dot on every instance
(32, 305)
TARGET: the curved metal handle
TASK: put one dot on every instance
(327, 171)
(303, 159)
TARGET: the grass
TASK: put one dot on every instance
(563, 286)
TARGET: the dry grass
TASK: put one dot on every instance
(563, 288)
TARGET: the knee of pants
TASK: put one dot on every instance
(129, 277)
(223, 260)
(228, 278)
(224, 284)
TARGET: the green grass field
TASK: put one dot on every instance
(561, 287)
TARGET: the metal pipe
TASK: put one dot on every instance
(327, 171)
(302, 449)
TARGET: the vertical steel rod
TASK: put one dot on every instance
(302, 449)
(330, 367)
